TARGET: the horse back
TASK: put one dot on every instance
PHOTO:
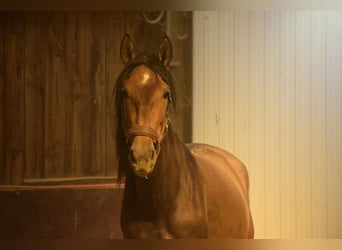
(226, 186)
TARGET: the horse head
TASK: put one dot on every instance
(145, 101)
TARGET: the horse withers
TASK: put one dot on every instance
(172, 190)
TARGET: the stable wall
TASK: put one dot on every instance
(268, 88)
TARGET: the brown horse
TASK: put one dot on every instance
(172, 190)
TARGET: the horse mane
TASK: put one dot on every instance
(177, 157)
(151, 61)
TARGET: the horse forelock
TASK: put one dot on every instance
(151, 61)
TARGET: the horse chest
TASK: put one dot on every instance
(146, 230)
(183, 222)
(189, 226)
(177, 229)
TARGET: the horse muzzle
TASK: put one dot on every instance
(144, 149)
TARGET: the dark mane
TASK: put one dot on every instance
(152, 62)
(180, 163)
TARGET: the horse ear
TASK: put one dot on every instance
(165, 51)
(126, 49)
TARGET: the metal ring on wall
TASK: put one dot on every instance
(153, 21)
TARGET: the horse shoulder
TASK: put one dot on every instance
(229, 162)
(226, 183)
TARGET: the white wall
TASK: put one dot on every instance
(268, 88)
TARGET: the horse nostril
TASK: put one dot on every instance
(155, 145)
(131, 157)
(129, 143)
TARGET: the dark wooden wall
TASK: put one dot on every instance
(87, 211)
(57, 73)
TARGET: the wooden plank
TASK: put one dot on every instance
(35, 48)
(180, 33)
(198, 93)
(86, 109)
(70, 169)
(2, 99)
(210, 77)
(226, 111)
(55, 96)
(334, 124)
(287, 110)
(257, 107)
(272, 171)
(303, 128)
(78, 68)
(338, 119)
(14, 97)
(97, 148)
(318, 126)
(70, 181)
(241, 87)
(114, 33)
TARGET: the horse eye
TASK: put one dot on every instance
(124, 92)
(166, 95)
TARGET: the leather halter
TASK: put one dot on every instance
(146, 131)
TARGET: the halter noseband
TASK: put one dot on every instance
(140, 130)
(143, 131)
